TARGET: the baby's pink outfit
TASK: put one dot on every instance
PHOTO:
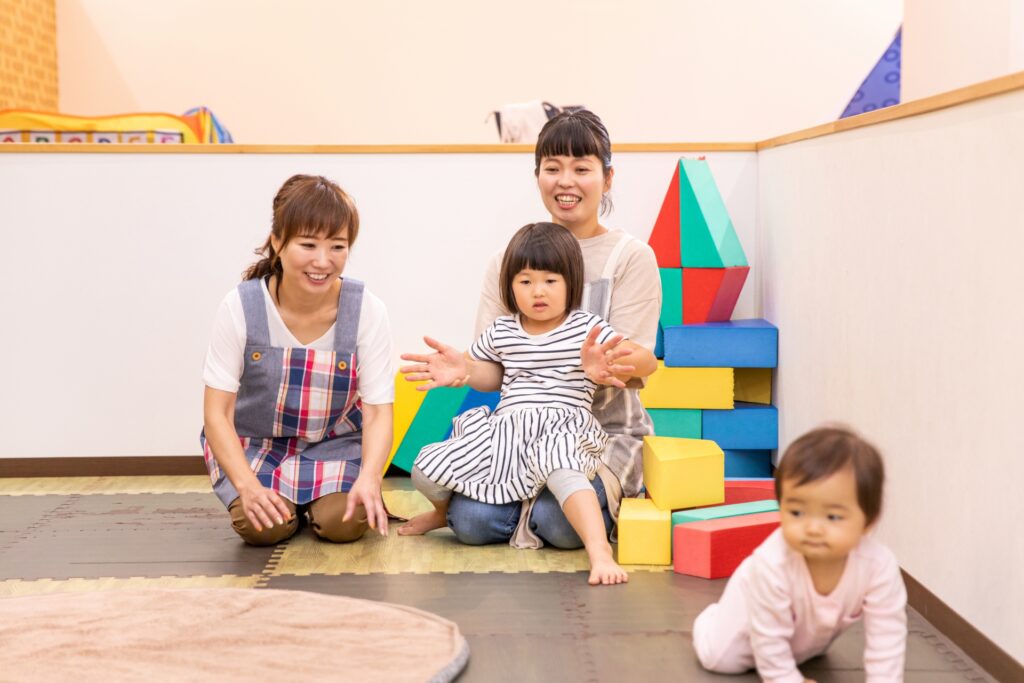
(770, 617)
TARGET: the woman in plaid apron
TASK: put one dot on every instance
(299, 381)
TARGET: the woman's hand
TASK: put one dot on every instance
(447, 367)
(263, 507)
(599, 359)
(366, 491)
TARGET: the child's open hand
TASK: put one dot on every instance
(445, 368)
(599, 359)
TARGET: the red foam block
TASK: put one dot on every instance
(710, 294)
(714, 548)
(664, 239)
(748, 491)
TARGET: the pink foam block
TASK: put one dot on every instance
(746, 491)
(714, 548)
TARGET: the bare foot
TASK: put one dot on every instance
(604, 570)
(421, 524)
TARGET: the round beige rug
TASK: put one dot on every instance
(223, 635)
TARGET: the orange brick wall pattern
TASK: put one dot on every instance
(28, 54)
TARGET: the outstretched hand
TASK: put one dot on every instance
(446, 367)
(599, 359)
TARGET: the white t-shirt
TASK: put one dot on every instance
(374, 367)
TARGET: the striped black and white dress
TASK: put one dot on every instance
(543, 421)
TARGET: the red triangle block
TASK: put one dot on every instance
(710, 294)
(664, 238)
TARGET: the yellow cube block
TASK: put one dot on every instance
(753, 385)
(645, 533)
(688, 388)
(683, 473)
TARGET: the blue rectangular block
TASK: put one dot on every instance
(659, 343)
(755, 464)
(475, 399)
(748, 426)
(733, 344)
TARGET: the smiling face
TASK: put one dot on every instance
(312, 264)
(822, 519)
(540, 297)
(571, 189)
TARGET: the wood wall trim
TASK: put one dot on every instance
(971, 93)
(83, 148)
(989, 656)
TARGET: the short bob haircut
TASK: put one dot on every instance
(575, 133)
(822, 452)
(305, 206)
(548, 247)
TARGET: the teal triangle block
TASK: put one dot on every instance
(707, 236)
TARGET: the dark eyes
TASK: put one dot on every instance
(795, 513)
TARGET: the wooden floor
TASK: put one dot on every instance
(528, 615)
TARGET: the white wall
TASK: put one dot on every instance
(116, 264)
(402, 71)
(890, 261)
(949, 44)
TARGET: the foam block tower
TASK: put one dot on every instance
(710, 399)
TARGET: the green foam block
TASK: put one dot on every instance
(683, 423)
(707, 237)
(430, 424)
(671, 296)
(720, 511)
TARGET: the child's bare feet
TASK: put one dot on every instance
(421, 524)
(604, 570)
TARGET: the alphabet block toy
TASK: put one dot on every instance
(748, 463)
(753, 385)
(748, 426)
(432, 422)
(688, 388)
(713, 549)
(722, 511)
(710, 294)
(645, 533)
(733, 344)
(746, 490)
(683, 473)
(684, 424)
(671, 296)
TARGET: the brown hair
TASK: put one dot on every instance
(305, 206)
(822, 452)
(575, 133)
(543, 246)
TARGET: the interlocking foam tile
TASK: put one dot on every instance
(120, 536)
(16, 587)
(47, 486)
(437, 551)
(555, 627)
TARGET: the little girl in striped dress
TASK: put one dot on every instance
(542, 433)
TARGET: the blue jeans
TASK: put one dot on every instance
(476, 523)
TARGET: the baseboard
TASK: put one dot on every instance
(126, 466)
(989, 656)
